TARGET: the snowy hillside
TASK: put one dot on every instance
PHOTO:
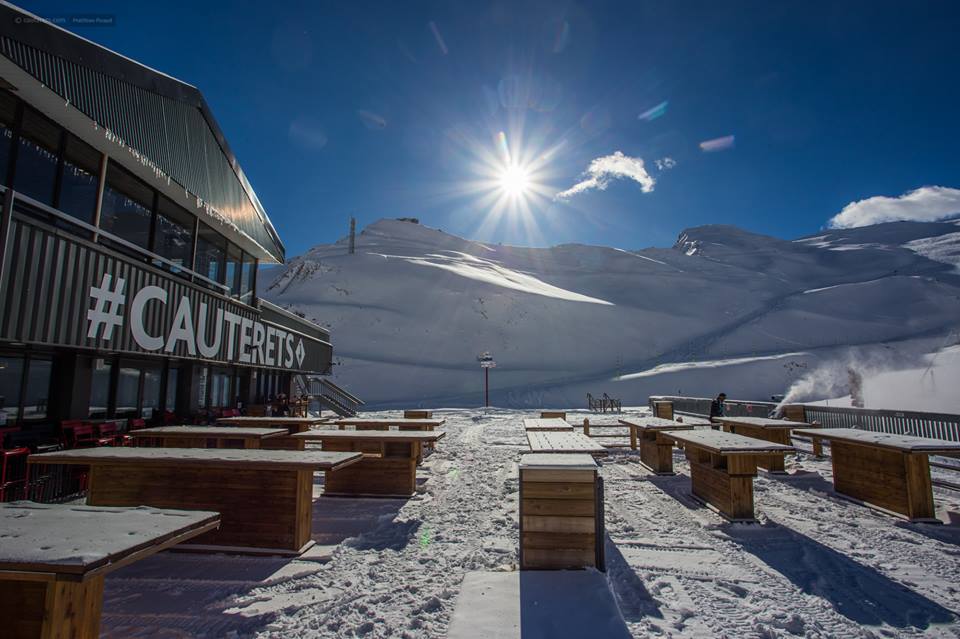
(723, 309)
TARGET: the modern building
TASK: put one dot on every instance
(129, 244)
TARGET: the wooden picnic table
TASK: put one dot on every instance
(205, 436)
(551, 441)
(722, 468)
(292, 424)
(263, 496)
(656, 450)
(417, 414)
(389, 466)
(891, 472)
(550, 423)
(384, 423)
(771, 430)
(54, 557)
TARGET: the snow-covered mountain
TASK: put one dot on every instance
(723, 309)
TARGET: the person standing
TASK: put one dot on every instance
(717, 407)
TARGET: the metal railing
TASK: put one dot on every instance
(700, 406)
(919, 424)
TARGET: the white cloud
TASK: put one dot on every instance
(926, 204)
(605, 169)
(665, 163)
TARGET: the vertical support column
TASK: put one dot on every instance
(586, 426)
(6, 219)
(919, 487)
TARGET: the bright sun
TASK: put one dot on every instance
(514, 180)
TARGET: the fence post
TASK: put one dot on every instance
(586, 426)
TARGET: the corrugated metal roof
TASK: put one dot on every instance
(162, 118)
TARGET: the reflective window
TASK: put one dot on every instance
(220, 389)
(128, 387)
(150, 402)
(11, 376)
(210, 254)
(234, 257)
(37, 390)
(126, 209)
(173, 238)
(99, 388)
(79, 180)
(200, 378)
(37, 157)
(247, 275)
(170, 401)
(8, 115)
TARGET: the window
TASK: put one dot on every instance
(150, 401)
(37, 157)
(173, 236)
(100, 388)
(210, 254)
(247, 275)
(8, 115)
(11, 378)
(128, 391)
(127, 205)
(79, 180)
(234, 257)
(170, 400)
(220, 389)
(37, 389)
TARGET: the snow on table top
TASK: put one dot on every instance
(268, 421)
(206, 457)
(655, 423)
(209, 431)
(77, 539)
(548, 441)
(548, 423)
(389, 421)
(722, 443)
(906, 443)
(764, 422)
(373, 435)
(558, 461)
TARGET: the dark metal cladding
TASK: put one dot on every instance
(162, 118)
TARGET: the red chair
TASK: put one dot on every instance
(169, 418)
(78, 434)
(109, 435)
(13, 473)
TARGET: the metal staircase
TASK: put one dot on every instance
(329, 395)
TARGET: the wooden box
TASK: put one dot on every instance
(663, 410)
(561, 512)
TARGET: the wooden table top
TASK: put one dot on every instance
(389, 421)
(372, 435)
(721, 443)
(558, 461)
(546, 423)
(272, 421)
(763, 422)
(205, 457)
(79, 540)
(211, 432)
(904, 443)
(655, 423)
(551, 441)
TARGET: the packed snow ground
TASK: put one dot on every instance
(815, 566)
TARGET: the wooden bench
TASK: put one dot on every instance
(770, 430)
(384, 423)
(890, 472)
(561, 512)
(53, 559)
(389, 466)
(553, 414)
(263, 496)
(205, 436)
(663, 409)
(656, 450)
(555, 424)
(292, 424)
(417, 414)
(722, 468)
(550, 441)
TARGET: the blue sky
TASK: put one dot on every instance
(388, 109)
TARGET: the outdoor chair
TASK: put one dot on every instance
(78, 434)
(13, 473)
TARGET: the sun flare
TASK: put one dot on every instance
(514, 180)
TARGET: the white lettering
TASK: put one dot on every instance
(209, 350)
(245, 324)
(288, 358)
(270, 344)
(140, 335)
(258, 334)
(182, 328)
(232, 320)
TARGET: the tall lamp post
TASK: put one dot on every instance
(486, 363)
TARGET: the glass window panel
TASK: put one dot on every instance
(234, 257)
(11, 376)
(99, 388)
(39, 147)
(38, 389)
(8, 114)
(170, 401)
(200, 383)
(128, 386)
(210, 254)
(78, 184)
(126, 209)
(247, 278)
(174, 234)
(150, 402)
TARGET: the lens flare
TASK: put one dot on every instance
(514, 180)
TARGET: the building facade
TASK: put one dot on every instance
(129, 245)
